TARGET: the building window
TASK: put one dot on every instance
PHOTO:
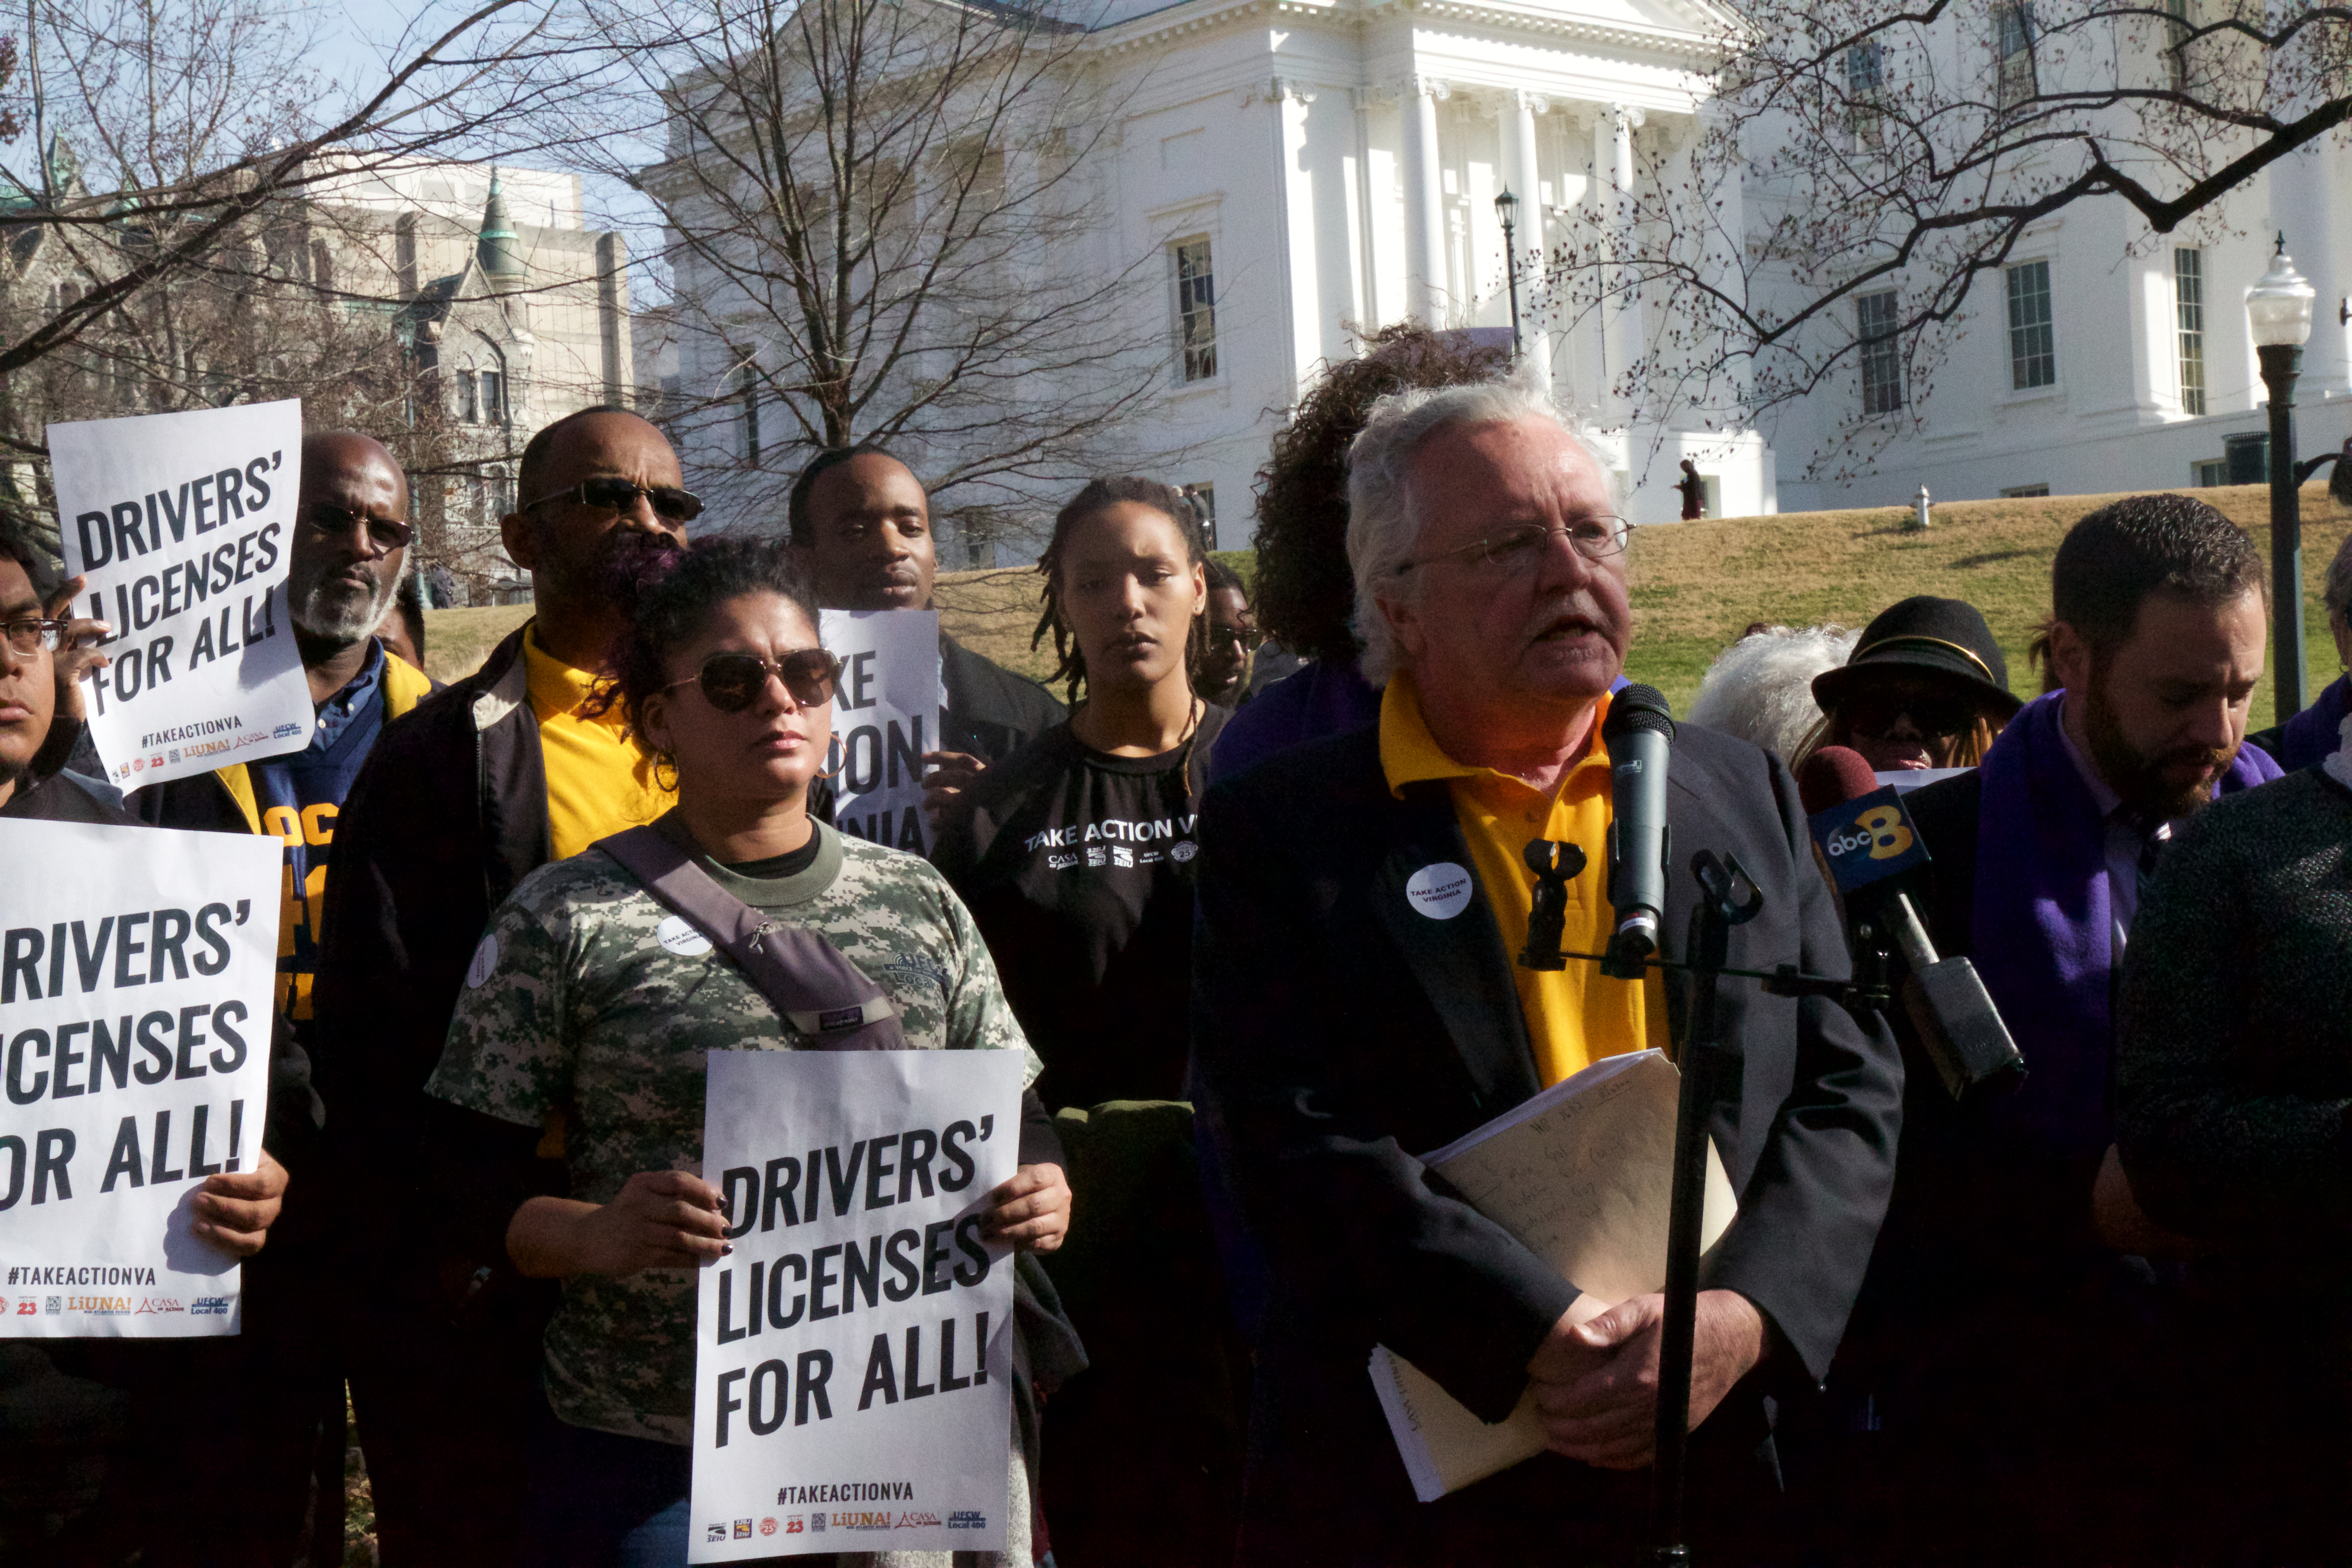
(2176, 45)
(1882, 356)
(747, 382)
(2188, 306)
(2209, 473)
(1865, 83)
(494, 397)
(2032, 342)
(1196, 309)
(470, 398)
(2012, 50)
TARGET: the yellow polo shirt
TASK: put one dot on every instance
(1577, 1015)
(598, 783)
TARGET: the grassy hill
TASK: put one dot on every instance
(1698, 585)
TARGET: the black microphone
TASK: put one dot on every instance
(1871, 848)
(1638, 732)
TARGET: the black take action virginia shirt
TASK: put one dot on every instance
(1078, 867)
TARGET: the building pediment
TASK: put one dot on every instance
(1677, 27)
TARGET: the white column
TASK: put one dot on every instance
(1295, 232)
(1626, 342)
(2308, 206)
(1527, 185)
(1425, 206)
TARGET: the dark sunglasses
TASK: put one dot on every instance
(331, 521)
(732, 682)
(1937, 718)
(621, 495)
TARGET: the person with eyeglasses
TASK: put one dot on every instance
(352, 529)
(1925, 687)
(1232, 632)
(583, 1006)
(507, 769)
(1357, 1003)
(94, 1461)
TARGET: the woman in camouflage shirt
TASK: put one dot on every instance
(589, 1007)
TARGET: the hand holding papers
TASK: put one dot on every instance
(1582, 1175)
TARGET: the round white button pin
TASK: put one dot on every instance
(1439, 891)
(680, 936)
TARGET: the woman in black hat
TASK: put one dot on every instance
(1926, 687)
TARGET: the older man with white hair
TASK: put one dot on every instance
(1356, 1006)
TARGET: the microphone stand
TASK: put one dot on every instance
(1723, 904)
(1718, 911)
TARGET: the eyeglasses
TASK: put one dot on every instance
(1515, 549)
(33, 636)
(329, 521)
(1223, 635)
(615, 494)
(1936, 715)
(732, 682)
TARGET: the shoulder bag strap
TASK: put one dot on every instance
(805, 978)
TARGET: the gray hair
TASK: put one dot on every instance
(1382, 528)
(2337, 595)
(1760, 689)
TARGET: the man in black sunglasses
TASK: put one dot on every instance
(862, 525)
(351, 528)
(508, 768)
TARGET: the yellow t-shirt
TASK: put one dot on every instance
(598, 783)
(1575, 1016)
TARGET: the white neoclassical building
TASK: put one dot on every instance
(2104, 357)
(1307, 166)
(1290, 169)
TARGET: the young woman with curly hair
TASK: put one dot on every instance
(1304, 591)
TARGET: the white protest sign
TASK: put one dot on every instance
(136, 967)
(853, 1358)
(886, 715)
(182, 523)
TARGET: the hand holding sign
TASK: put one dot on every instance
(1032, 1211)
(659, 1219)
(79, 650)
(234, 1212)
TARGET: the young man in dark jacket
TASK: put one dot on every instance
(484, 783)
(862, 525)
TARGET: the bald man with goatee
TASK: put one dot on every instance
(276, 1390)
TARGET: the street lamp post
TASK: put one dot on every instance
(2278, 309)
(1506, 207)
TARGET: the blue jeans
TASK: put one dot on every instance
(598, 1500)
